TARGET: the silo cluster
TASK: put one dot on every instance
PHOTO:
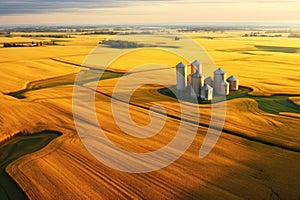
(197, 86)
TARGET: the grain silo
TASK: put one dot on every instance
(219, 76)
(206, 92)
(196, 66)
(209, 81)
(223, 88)
(197, 82)
(181, 76)
(233, 83)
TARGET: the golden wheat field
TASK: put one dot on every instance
(256, 157)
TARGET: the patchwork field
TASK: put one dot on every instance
(256, 157)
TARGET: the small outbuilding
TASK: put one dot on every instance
(206, 92)
(233, 83)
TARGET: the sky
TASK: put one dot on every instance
(146, 11)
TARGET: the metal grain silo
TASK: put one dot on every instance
(196, 66)
(197, 82)
(233, 83)
(223, 88)
(219, 76)
(206, 92)
(209, 81)
(181, 76)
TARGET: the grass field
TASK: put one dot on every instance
(274, 104)
(257, 155)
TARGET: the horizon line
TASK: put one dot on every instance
(226, 23)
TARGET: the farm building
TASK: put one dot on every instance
(233, 83)
(196, 86)
(197, 82)
(223, 88)
(207, 92)
(181, 76)
(219, 77)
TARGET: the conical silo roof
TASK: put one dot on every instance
(196, 63)
(206, 87)
(209, 79)
(219, 71)
(180, 65)
(232, 78)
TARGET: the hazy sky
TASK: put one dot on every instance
(132, 11)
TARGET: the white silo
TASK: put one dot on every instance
(181, 76)
(209, 81)
(197, 82)
(233, 83)
(223, 88)
(196, 66)
(219, 76)
(206, 92)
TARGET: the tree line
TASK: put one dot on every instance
(28, 44)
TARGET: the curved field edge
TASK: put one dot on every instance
(72, 171)
(274, 104)
(18, 146)
(237, 168)
(295, 100)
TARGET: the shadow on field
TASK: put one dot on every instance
(15, 148)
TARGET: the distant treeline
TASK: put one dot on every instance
(51, 36)
(121, 44)
(258, 34)
(28, 44)
(13, 45)
(204, 29)
(119, 33)
(100, 33)
(136, 33)
(45, 29)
